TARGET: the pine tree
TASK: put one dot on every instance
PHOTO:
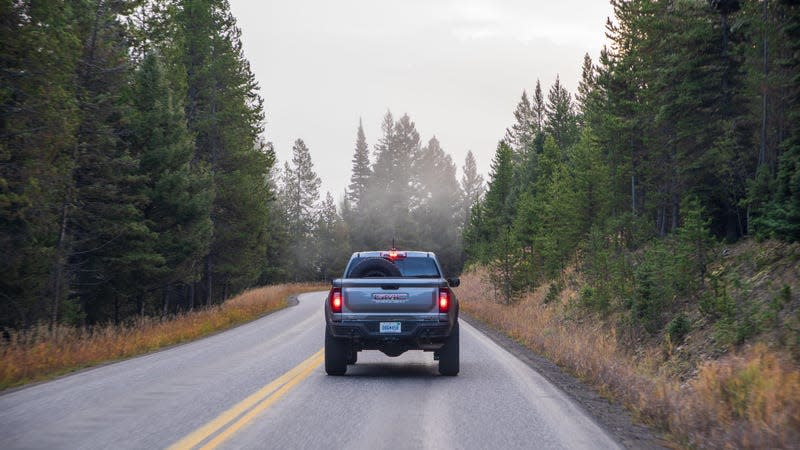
(178, 195)
(521, 135)
(300, 198)
(585, 87)
(225, 114)
(438, 209)
(538, 107)
(361, 169)
(471, 185)
(301, 190)
(495, 214)
(560, 122)
(384, 154)
(391, 194)
(331, 237)
(106, 229)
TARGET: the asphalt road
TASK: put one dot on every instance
(262, 385)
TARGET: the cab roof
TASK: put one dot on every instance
(381, 253)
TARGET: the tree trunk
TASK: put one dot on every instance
(191, 295)
(165, 298)
(209, 284)
(58, 268)
(675, 209)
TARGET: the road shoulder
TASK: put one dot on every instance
(611, 416)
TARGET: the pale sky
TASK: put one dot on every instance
(458, 68)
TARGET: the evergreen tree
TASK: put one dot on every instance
(361, 169)
(522, 133)
(276, 267)
(300, 197)
(560, 122)
(106, 228)
(495, 213)
(437, 212)
(300, 190)
(496, 204)
(392, 194)
(331, 237)
(179, 200)
(538, 107)
(585, 86)
(471, 186)
(225, 114)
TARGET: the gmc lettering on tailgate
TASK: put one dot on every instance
(390, 297)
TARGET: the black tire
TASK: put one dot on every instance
(352, 357)
(375, 268)
(335, 355)
(449, 354)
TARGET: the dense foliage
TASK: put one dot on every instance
(132, 175)
(684, 130)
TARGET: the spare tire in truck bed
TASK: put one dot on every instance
(375, 268)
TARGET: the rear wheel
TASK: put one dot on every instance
(449, 354)
(335, 355)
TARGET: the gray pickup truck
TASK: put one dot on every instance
(392, 301)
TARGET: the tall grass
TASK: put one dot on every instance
(41, 352)
(745, 400)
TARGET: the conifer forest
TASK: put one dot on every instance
(136, 177)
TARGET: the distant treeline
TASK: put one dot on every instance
(403, 192)
(689, 121)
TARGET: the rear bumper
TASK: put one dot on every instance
(422, 332)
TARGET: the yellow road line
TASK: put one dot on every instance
(256, 403)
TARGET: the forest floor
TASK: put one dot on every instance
(730, 378)
(43, 353)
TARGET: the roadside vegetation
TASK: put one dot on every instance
(643, 233)
(706, 379)
(42, 352)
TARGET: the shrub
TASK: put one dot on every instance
(678, 328)
(554, 291)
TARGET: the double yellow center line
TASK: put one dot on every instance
(229, 422)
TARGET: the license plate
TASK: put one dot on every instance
(390, 327)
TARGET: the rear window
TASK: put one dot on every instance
(415, 267)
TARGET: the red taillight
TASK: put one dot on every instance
(394, 255)
(335, 299)
(444, 300)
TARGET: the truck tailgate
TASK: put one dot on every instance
(390, 295)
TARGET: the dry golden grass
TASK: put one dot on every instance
(747, 400)
(41, 353)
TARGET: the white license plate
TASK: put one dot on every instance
(390, 327)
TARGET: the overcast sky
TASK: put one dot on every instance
(457, 68)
